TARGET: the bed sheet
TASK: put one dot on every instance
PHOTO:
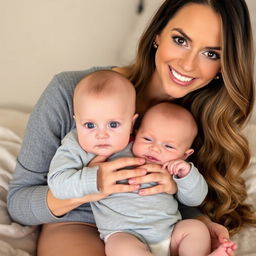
(19, 240)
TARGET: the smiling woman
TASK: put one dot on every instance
(195, 59)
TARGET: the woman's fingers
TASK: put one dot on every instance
(164, 181)
(109, 174)
(159, 177)
(152, 190)
(130, 173)
(125, 162)
(122, 188)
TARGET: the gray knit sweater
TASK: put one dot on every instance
(50, 121)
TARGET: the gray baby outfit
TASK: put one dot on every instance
(150, 218)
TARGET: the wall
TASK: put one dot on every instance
(41, 38)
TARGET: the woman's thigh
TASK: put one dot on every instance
(70, 239)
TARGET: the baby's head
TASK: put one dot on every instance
(166, 133)
(104, 111)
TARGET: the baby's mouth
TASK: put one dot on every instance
(151, 159)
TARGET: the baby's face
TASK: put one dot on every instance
(104, 124)
(160, 139)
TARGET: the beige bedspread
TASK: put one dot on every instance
(17, 240)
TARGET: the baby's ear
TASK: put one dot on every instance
(188, 153)
(134, 118)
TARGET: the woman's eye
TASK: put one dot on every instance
(212, 55)
(179, 40)
(89, 125)
(114, 124)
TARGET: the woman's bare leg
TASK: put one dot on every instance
(125, 244)
(70, 238)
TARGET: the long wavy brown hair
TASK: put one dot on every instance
(221, 108)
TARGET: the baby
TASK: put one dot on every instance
(104, 113)
(136, 225)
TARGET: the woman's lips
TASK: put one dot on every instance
(179, 78)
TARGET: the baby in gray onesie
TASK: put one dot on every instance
(130, 223)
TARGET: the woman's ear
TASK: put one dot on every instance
(188, 153)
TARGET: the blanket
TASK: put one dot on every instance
(18, 240)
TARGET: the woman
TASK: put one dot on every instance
(200, 56)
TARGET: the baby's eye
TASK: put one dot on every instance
(114, 124)
(179, 40)
(168, 146)
(212, 55)
(89, 125)
(147, 139)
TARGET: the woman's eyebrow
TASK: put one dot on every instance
(218, 48)
(183, 33)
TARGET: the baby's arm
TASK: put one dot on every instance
(192, 187)
(68, 176)
(179, 168)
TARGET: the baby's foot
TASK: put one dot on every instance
(220, 251)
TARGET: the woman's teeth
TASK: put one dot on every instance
(180, 77)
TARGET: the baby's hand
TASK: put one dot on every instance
(179, 168)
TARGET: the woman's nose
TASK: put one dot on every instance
(189, 61)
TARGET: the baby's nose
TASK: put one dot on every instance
(102, 134)
(155, 148)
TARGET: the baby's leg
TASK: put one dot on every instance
(191, 237)
(125, 244)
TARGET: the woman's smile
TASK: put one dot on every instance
(179, 78)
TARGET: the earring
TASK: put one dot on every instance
(155, 44)
(217, 77)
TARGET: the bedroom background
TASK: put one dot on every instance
(42, 38)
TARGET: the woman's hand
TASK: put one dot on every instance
(219, 235)
(165, 182)
(111, 172)
(108, 175)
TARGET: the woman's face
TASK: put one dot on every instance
(189, 49)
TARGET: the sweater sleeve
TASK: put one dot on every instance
(192, 189)
(50, 120)
(68, 176)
